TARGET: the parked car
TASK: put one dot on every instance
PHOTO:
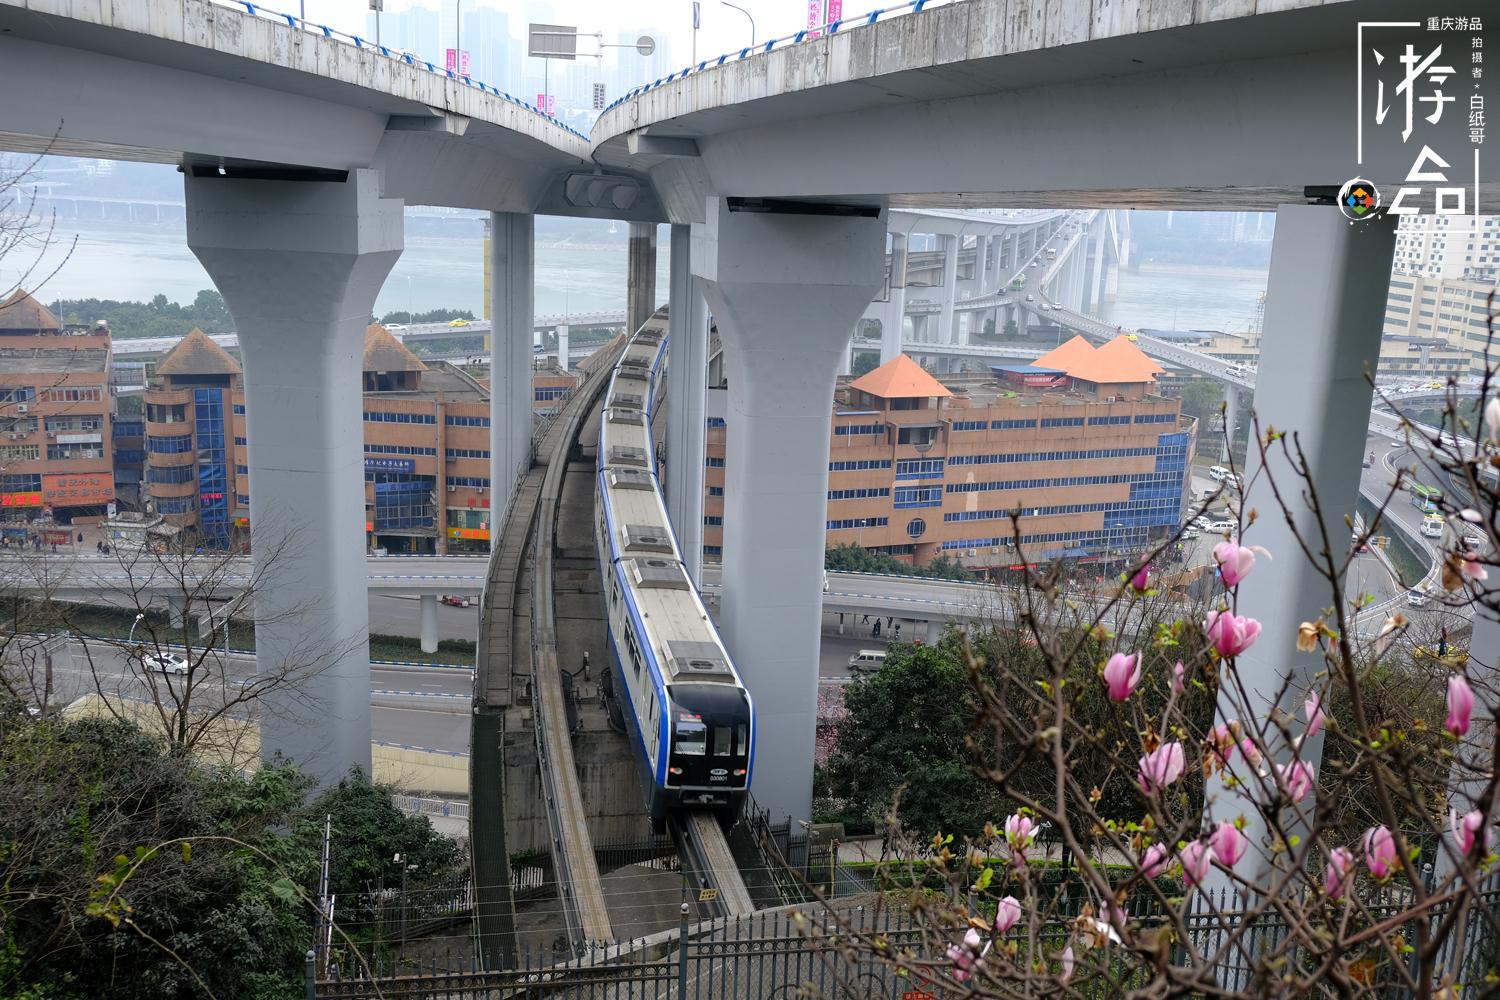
(1190, 532)
(867, 659)
(1416, 597)
(1218, 526)
(167, 663)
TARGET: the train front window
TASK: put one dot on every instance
(691, 738)
(723, 741)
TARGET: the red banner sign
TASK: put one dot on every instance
(20, 499)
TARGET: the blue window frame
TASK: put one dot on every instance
(918, 496)
(919, 468)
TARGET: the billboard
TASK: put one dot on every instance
(77, 489)
(457, 61)
(20, 499)
(814, 17)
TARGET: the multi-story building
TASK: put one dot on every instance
(1079, 442)
(1448, 246)
(426, 447)
(55, 407)
(1455, 311)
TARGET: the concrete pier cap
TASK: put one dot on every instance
(786, 283)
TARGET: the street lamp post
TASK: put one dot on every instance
(131, 636)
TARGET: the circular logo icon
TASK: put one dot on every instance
(1359, 199)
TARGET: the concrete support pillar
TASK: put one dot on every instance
(299, 263)
(640, 275)
(511, 307)
(562, 346)
(687, 394)
(176, 613)
(919, 328)
(894, 320)
(785, 290)
(846, 360)
(945, 331)
(429, 627)
(1322, 332)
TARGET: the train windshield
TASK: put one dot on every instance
(691, 737)
(710, 735)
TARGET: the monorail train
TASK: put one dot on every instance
(686, 712)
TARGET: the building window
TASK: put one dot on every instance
(867, 493)
(242, 470)
(916, 527)
(848, 430)
(714, 422)
(857, 522)
(713, 463)
(1013, 425)
(456, 421)
(72, 394)
(166, 413)
(1156, 418)
(19, 452)
(859, 465)
(171, 474)
(918, 496)
(17, 394)
(75, 423)
(716, 491)
(174, 445)
(1122, 418)
(394, 449)
(379, 417)
(472, 482)
(919, 468)
(239, 408)
(553, 392)
(242, 443)
(174, 505)
(713, 550)
(22, 483)
(1062, 421)
(468, 453)
(918, 436)
(713, 521)
(970, 425)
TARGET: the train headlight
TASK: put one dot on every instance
(740, 772)
(674, 770)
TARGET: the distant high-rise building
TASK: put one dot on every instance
(1448, 246)
(414, 30)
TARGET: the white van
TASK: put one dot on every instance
(1218, 473)
(1432, 527)
(867, 659)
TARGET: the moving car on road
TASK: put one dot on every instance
(167, 663)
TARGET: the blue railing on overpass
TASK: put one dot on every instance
(295, 22)
(806, 34)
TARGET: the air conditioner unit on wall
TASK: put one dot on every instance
(22, 408)
(452, 488)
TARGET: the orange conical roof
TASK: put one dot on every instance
(23, 312)
(384, 353)
(196, 354)
(1067, 355)
(900, 378)
(1116, 362)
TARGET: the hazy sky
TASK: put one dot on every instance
(722, 29)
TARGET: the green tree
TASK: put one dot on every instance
(1201, 398)
(851, 558)
(865, 361)
(905, 733)
(1012, 331)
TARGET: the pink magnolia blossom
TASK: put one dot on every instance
(965, 956)
(1230, 633)
(1314, 709)
(1472, 568)
(1250, 751)
(1298, 778)
(1338, 873)
(1155, 861)
(1492, 417)
(1228, 844)
(1141, 578)
(1122, 674)
(1160, 767)
(1179, 675)
(1235, 561)
(1006, 914)
(1466, 830)
(1020, 831)
(1196, 858)
(1460, 705)
(1067, 963)
(1380, 851)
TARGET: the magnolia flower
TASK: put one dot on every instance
(1139, 581)
(965, 956)
(1492, 417)
(1459, 569)
(1020, 831)
(1228, 844)
(1121, 674)
(1471, 515)
(1307, 635)
(1393, 623)
(1460, 705)
(1230, 633)
(1235, 561)
(1155, 861)
(1297, 778)
(1313, 707)
(1006, 914)
(1160, 767)
(1067, 963)
(1380, 851)
(1179, 672)
(1251, 751)
(1195, 857)
(1338, 873)
(1466, 830)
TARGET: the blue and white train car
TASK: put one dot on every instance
(687, 713)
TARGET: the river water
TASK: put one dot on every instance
(580, 272)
